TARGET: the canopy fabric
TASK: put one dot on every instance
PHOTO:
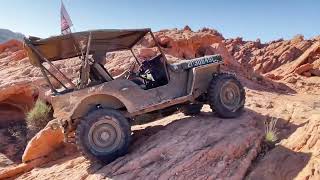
(71, 45)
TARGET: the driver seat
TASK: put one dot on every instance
(156, 68)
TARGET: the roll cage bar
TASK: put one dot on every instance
(38, 59)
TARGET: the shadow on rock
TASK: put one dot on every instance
(261, 83)
(280, 163)
(284, 127)
(13, 141)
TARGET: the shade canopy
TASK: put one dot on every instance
(71, 45)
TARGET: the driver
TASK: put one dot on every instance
(151, 73)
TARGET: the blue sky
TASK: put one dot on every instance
(267, 20)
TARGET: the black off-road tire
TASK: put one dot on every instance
(221, 86)
(191, 109)
(102, 119)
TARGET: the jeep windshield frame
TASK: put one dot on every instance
(82, 44)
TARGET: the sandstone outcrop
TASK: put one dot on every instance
(193, 147)
(15, 101)
(177, 146)
(43, 143)
(295, 157)
(11, 46)
(177, 45)
(278, 58)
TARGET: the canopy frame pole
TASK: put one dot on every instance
(50, 63)
(85, 69)
(54, 77)
(47, 79)
(135, 57)
(165, 62)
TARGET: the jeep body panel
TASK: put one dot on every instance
(124, 94)
(131, 96)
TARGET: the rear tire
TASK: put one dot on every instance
(226, 96)
(103, 135)
(191, 109)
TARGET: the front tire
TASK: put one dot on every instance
(226, 96)
(103, 135)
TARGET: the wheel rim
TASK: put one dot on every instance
(105, 135)
(230, 95)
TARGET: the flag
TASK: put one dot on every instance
(66, 22)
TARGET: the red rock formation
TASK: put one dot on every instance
(145, 53)
(303, 68)
(11, 45)
(43, 143)
(277, 59)
(306, 64)
(14, 49)
(18, 55)
(177, 45)
(267, 57)
(15, 101)
(184, 44)
(295, 157)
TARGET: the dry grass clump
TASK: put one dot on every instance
(38, 117)
(271, 132)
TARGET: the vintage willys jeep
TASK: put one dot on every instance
(99, 109)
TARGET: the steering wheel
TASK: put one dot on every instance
(130, 71)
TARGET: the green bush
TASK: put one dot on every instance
(38, 117)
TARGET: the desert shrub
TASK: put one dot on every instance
(38, 117)
(271, 132)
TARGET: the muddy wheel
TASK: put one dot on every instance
(103, 135)
(226, 96)
(191, 109)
